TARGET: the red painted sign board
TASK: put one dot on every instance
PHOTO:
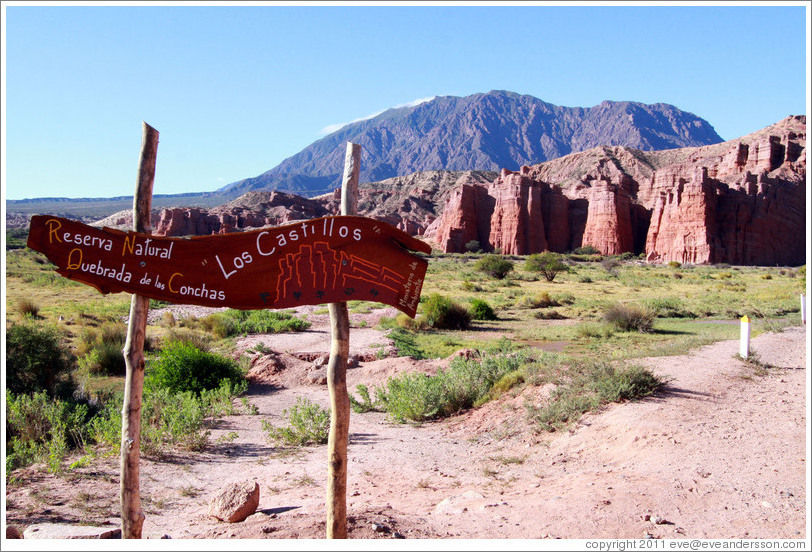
(325, 260)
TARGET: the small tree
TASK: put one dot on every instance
(548, 264)
(494, 265)
(473, 246)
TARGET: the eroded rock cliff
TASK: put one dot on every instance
(739, 202)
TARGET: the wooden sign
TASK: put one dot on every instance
(330, 259)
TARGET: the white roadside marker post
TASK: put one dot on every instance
(744, 341)
(803, 308)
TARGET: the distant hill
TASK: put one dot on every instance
(485, 132)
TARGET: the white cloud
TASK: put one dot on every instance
(329, 129)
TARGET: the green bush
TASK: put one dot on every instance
(366, 404)
(549, 264)
(630, 317)
(539, 301)
(442, 313)
(180, 366)
(473, 246)
(201, 340)
(308, 424)
(586, 250)
(481, 310)
(465, 383)
(168, 419)
(41, 428)
(495, 266)
(669, 307)
(582, 387)
(101, 349)
(36, 361)
(235, 322)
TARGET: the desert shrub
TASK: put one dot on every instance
(481, 310)
(308, 424)
(167, 419)
(586, 250)
(100, 349)
(235, 322)
(366, 404)
(36, 361)
(41, 428)
(549, 264)
(592, 329)
(583, 387)
(180, 366)
(541, 300)
(420, 397)
(403, 320)
(199, 339)
(168, 320)
(467, 285)
(766, 276)
(674, 264)
(171, 419)
(551, 314)
(610, 265)
(473, 246)
(442, 313)
(627, 317)
(106, 359)
(495, 266)
(669, 307)
(27, 307)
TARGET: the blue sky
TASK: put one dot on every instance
(235, 90)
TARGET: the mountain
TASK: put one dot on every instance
(485, 132)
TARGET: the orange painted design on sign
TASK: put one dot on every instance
(331, 259)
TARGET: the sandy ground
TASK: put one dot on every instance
(719, 453)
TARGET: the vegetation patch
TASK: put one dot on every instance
(583, 387)
(419, 397)
(308, 424)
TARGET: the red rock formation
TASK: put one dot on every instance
(466, 218)
(740, 202)
(517, 225)
(683, 223)
(608, 224)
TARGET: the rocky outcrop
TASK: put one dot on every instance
(739, 202)
(517, 223)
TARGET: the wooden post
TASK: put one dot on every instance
(132, 518)
(337, 374)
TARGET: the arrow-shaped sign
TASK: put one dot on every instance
(307, 263)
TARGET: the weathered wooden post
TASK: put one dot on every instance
(132, 518)
(744, 338)
(337, 373)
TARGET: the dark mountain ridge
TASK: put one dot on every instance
(486, 132)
